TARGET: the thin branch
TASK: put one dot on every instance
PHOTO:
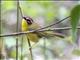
(20, 10)
(63, 28)
(30, 49)
(44, 49)
(15, 34)
(22, 48)
(21, 33)
(17, 30)
(54, 23)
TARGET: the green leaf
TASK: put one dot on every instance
(75, 16)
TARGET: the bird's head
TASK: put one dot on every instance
(26, 22)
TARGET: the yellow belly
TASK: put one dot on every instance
(33, 37)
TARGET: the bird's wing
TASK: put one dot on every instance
(50, 34)
(34, 26)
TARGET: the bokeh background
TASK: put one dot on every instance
(44, 13)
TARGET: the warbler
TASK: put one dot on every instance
(28, 24)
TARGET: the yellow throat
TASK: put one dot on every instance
(24, 25)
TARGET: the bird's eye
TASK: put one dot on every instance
(28, 20)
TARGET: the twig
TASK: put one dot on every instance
(44, 49)
(20, 10)
(17, 30)
(22, 48)
(30, 49)
(54, 23)
(21, 33)
(15, 34)
(63, 28)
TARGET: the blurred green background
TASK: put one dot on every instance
(44, 13)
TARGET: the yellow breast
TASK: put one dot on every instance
(24, 25)
(31, 36)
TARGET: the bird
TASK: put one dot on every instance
(28, 24)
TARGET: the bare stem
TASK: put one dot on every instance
(20, 10)
(30, 49)
(54, 23)
(21, 33)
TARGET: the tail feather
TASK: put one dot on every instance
(50, 34)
